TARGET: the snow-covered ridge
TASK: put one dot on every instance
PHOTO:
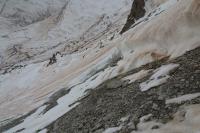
(23, 12)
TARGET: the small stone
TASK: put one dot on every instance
(161, 98)
(155, 106)
(131, 126)
(182, 80)
(155, 127)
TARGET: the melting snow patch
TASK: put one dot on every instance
(136, 76)
(183, 98)
(112, 129)
(159, 77)
(146, 125)
(123, 119)
(189, 123)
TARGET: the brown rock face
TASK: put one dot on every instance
(137, 11)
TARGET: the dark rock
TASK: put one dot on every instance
(137, 11)
(155, 127)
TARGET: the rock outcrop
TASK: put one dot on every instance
(137, 11)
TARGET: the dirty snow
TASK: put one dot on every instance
(136, 76)
(189, 123)
(182, 98)
(159, 77)
(86, 70)
(112, 129)
(146, 124)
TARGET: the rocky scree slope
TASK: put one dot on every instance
(119, 105)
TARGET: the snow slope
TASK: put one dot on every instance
(81, 31)
(52, 26)
(67, 26)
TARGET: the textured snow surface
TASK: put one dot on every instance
(159, 77)
(183, 98)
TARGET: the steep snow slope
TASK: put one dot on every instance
(170, 31)
(74, 25)
(82, 30)
(60, 26)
